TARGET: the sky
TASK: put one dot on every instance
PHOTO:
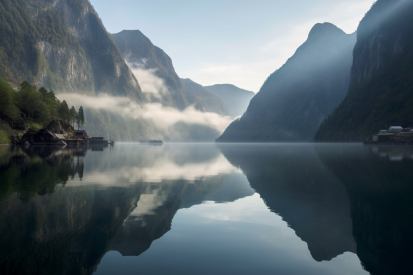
(236, 42)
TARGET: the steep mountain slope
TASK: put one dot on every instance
(295, 99)
(146, 59)
(380, 92)
(61, 45)
(206, 100)
(141, 54)
(236, 99)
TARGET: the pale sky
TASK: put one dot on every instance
(239, 42)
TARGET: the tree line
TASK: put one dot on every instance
(30, 104)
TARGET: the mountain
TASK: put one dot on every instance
(146, 59)
(207, 101)
(64, 46)
(380, 93)
(140, 53)
(236, 99)
(296, 98)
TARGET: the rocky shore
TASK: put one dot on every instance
(53, 135)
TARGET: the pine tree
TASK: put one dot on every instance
(81, 115)
(64, 112)
(73, 116)
(43, 92)
(80, 118)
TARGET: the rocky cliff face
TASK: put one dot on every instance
(236, 99)
(381, 77)
(146, 60)
(64, 46)
(295, 99)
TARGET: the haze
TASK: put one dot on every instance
(233, 41)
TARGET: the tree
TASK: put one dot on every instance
(27, 99)
(64, 112)
(80, 120)
(73, 116)
(7, 107)
(43, 92)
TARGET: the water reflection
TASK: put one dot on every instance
(380, 192)
(60, 211)
(63, 210)
(296, 185)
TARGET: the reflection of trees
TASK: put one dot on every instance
(69, 231)
(381, 193)
(35, 171)
(295, 185)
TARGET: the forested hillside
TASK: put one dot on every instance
(30, 108)
(380, 93)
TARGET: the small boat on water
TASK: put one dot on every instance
(152, 142)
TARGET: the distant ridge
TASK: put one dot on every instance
(296, 98)
(235, 98)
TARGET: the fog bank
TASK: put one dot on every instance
(162, 117)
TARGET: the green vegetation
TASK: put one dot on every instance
(4, 139)
(80, 118)
(29, 107)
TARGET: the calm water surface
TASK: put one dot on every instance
(207, 209)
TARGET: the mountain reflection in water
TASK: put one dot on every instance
(63, 210)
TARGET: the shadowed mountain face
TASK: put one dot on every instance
(378, 181)
(58, 215)
(149, 61)
(296, 185)
(236, 99)
(62, 45)
(295, 99)
(381, 85)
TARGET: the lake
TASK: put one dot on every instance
(207, 209)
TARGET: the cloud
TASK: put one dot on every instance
(165, 169)
(163, 164)
(149, 82)
(161, 116)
